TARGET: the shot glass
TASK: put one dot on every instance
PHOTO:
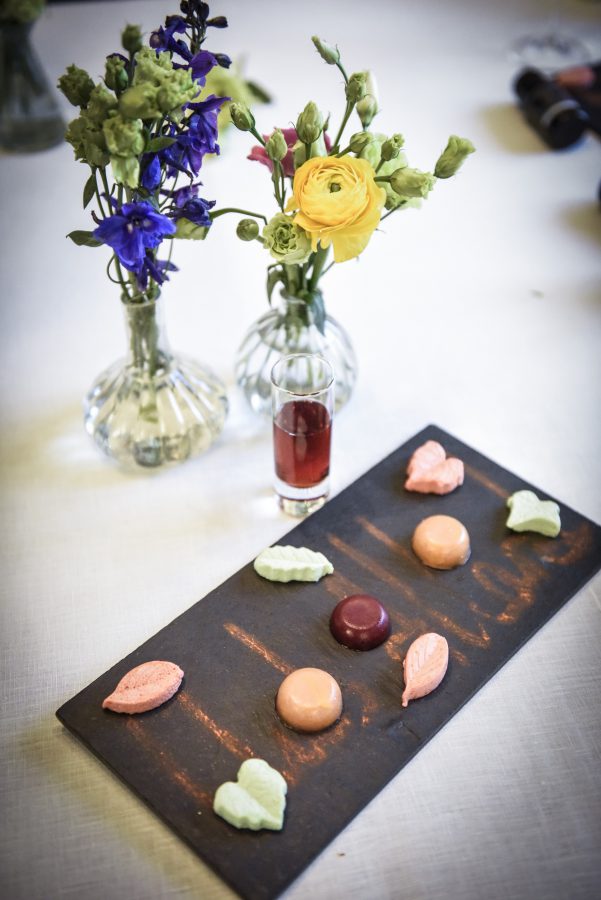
(302, 394)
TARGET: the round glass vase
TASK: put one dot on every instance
(153, 408)
(291, 327)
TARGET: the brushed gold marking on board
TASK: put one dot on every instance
(167, 762)
(569, 547)
(225, 737)
(481, 639)
(485, 481)
(257, 647)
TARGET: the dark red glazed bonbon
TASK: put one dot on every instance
(360, 622)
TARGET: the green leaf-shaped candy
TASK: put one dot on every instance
(292, 564)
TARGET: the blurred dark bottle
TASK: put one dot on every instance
(551, 110)
(30, 118)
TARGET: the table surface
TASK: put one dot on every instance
(480, 312)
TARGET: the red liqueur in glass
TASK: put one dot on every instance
(302, 434)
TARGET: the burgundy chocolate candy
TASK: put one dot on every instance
(360, 622)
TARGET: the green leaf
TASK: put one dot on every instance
(89, 188)
(84, 239)
(273, 276)
(159, 143)
(319, 311)
(259, 93)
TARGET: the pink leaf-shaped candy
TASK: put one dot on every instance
(424, 666)
(430, 471)
(145, 687)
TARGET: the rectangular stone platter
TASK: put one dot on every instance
(237, 644)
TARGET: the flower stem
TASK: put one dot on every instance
(234, 209)
(347, 114)
(318, 263)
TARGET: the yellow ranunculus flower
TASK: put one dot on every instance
(338, 203)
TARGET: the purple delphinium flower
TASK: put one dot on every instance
(133, 229)
(195, 210)
(187, 153)
(201, 64)
(163, 38)
(151, 174)
(153, 268)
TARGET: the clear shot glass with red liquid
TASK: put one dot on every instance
(302, 393)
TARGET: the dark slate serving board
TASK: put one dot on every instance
(238, 643)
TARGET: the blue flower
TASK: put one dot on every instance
(153, 268)
(163, 38)
(133, 229)
(187, 153)
(195, 210)
(201, 64)
(151, 176)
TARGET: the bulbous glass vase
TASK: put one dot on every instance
(291, 327)
(153, 408)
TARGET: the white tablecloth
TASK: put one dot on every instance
(480, 312)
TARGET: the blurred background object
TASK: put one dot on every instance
(29, 115)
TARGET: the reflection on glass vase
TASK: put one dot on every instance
(292, 327)
(153, 408)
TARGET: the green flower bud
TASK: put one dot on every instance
(356, 87)
(139, 102)
(101, 103)
(392, 147)
(360, 140)
(387, 168)
(247, 230)
(276, 146)
(131, 38)
(367, 107)
(115, 73)
(76, 85)
(329, 54)
(409, 183)
(190, 231)
(20, 10)
(285, 241)
(124, 137)
(126, 170)
(309, 124)
(317, 148)
(456, 151)
(87, 141)
(242, 117)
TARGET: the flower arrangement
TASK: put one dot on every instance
(331, 192)
(145, 126)
(144, 131)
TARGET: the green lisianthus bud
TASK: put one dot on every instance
(20, 10)
(87, 141)
(115, 73)
(139, 102)
(247, 230)
(367, 107)
(101, 103)
(285, 241)
(392, 147)
(190, 231)
(124, 137)
(131, 38)
(329, 54)
(356, 87)
(309, 124)
(152, 68)
(276, 146)
(126, 170)
(242, 117)
(456, 151)
(360, 140)
(410, 183)
(76, 85)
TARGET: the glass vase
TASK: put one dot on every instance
(291, 327)
(153, 408)
(30, 119)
